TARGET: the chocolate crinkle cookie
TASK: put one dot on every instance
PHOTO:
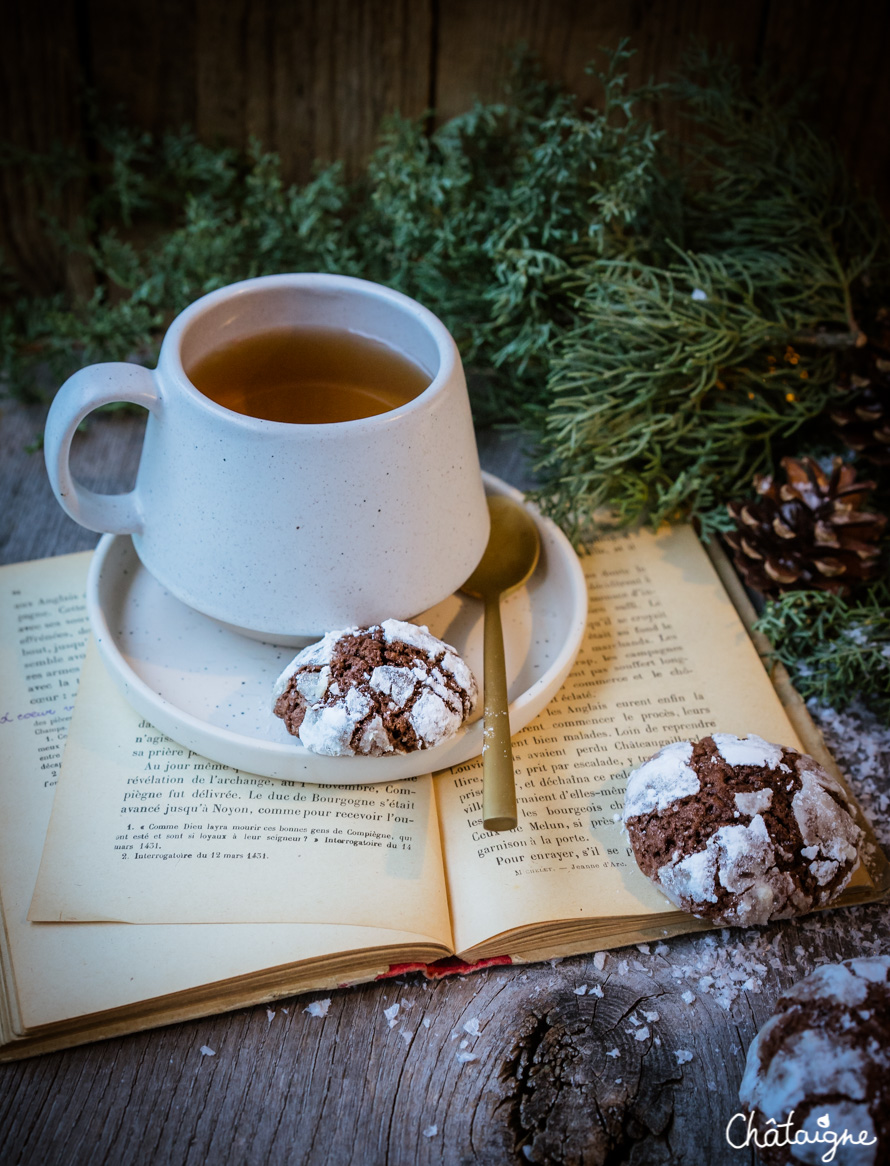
(391, 688)
(739, 831)
(817, 1078)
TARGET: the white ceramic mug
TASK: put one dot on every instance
(286, 530)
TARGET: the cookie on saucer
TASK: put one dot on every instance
(739, 831)
(824, 1056)
(391, 688)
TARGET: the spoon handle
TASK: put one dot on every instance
(498, 785)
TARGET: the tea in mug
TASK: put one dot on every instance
(308, 376)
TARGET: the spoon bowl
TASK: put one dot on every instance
(510, 557)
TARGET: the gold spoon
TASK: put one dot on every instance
(510, 557)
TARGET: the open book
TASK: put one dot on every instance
(172, 887)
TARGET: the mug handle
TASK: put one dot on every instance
(86, 390)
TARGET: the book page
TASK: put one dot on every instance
(146, 831)
(43, 630)
(665, 657)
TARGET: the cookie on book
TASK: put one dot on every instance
(739, 831)
(391, 688)
(825, 1057)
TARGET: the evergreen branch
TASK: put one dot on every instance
(675, 385)
(836, 650)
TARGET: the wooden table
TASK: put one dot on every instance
(288, 1087)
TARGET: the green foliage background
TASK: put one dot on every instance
(662, 318)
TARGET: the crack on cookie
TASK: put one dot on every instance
(388, 688)
(753, 842)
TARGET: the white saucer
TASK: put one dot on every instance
(210, 688)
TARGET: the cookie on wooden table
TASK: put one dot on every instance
(391, 688)
(739, 831)
(824, 1056)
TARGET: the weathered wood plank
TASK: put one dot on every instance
(41, 94)
(32, 524)
(841, 47)
(350, 1089)
(140, 60)
(310, 81)
(476, 42)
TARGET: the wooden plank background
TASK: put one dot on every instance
(312, 80)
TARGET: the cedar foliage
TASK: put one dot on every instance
(836, 650)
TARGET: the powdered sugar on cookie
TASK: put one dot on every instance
(741, 831)
(662, 780)
(824, 1057)
(390, 688)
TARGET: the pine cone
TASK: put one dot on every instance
(864, 423)
(809, 533)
